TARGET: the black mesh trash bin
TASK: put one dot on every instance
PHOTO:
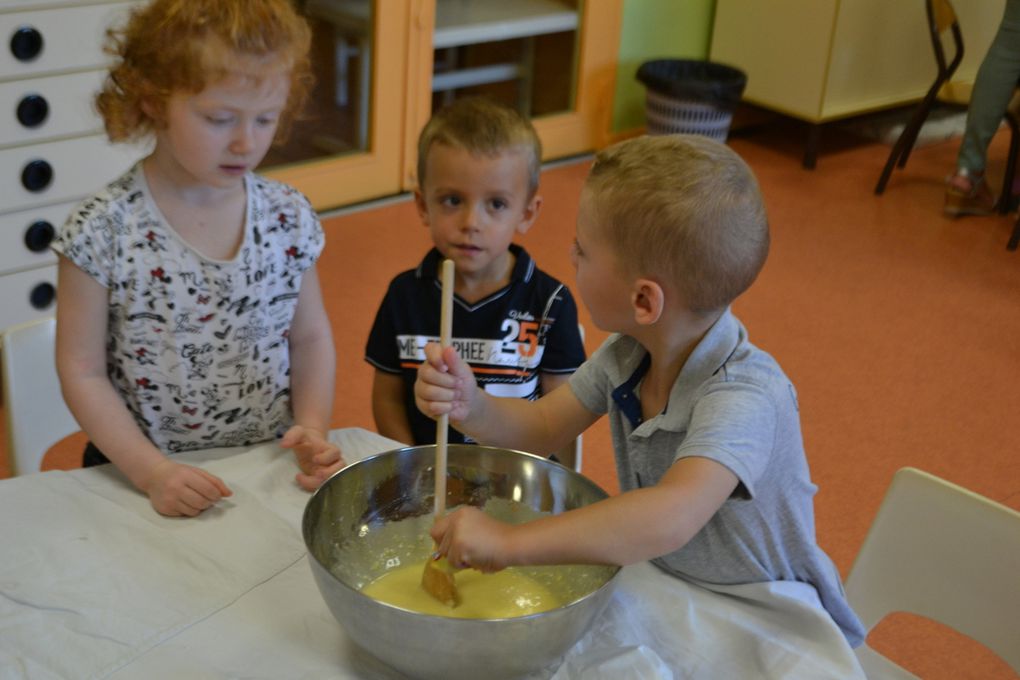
(690, 96)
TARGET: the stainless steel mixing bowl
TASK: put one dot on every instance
(374, 516)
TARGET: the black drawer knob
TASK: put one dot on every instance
(39, 235)
(36, 175)
(42, 295)
(33, 110)
(26, 43)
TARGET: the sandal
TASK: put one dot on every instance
(967, 193)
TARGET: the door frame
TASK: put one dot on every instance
(584, 128)
(401, 103)
(374, 172)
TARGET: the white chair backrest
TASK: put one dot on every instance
(37, 417)
(943, 552)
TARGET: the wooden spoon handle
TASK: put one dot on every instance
(443, 422)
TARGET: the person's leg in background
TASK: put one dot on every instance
(967, 193)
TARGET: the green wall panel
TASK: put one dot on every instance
(654, 29)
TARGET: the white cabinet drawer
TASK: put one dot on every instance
(59, 39)
(47, 107)
(74, 168)
(25, 236)
(28, 295)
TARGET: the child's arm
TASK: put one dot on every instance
(388, 407)
(173, 488)
(312, 378)
(631, 527)
(634, 526)
(446, 385)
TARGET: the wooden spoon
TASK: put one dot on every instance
(437, 579)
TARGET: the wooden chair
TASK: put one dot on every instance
(940, 551)
(37, 417)
(943, 27)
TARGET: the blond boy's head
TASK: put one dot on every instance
(481, 126)
(683, 210)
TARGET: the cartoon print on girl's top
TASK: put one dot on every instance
(189, 309)
(248, 309)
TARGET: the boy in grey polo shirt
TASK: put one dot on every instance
(715, 483)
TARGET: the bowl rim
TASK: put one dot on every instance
(609, 582)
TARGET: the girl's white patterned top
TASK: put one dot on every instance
(197, 348)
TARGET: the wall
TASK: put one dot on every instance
(655, 29)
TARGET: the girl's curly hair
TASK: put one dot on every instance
(173, 46)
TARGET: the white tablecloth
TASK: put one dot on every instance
(95, 584)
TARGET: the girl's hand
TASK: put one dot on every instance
(470, 538)
(313, 480)
(445, 384)
(316, 456)
(176, 489)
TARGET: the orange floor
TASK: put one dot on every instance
(900, 328)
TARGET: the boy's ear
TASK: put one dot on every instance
(648, 300)
(419, 203)
(530, 214)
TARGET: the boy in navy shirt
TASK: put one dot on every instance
(478, 169)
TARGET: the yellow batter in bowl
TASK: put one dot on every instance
(502, 595)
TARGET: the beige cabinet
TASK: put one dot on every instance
(822, 60)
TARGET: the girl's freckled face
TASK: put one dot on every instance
(216, 136)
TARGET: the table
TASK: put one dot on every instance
(95, 584)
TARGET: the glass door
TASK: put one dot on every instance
(554, 60)
(346, 147)
(382, 66)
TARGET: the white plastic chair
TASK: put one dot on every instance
(37, 417)
(943, 552)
